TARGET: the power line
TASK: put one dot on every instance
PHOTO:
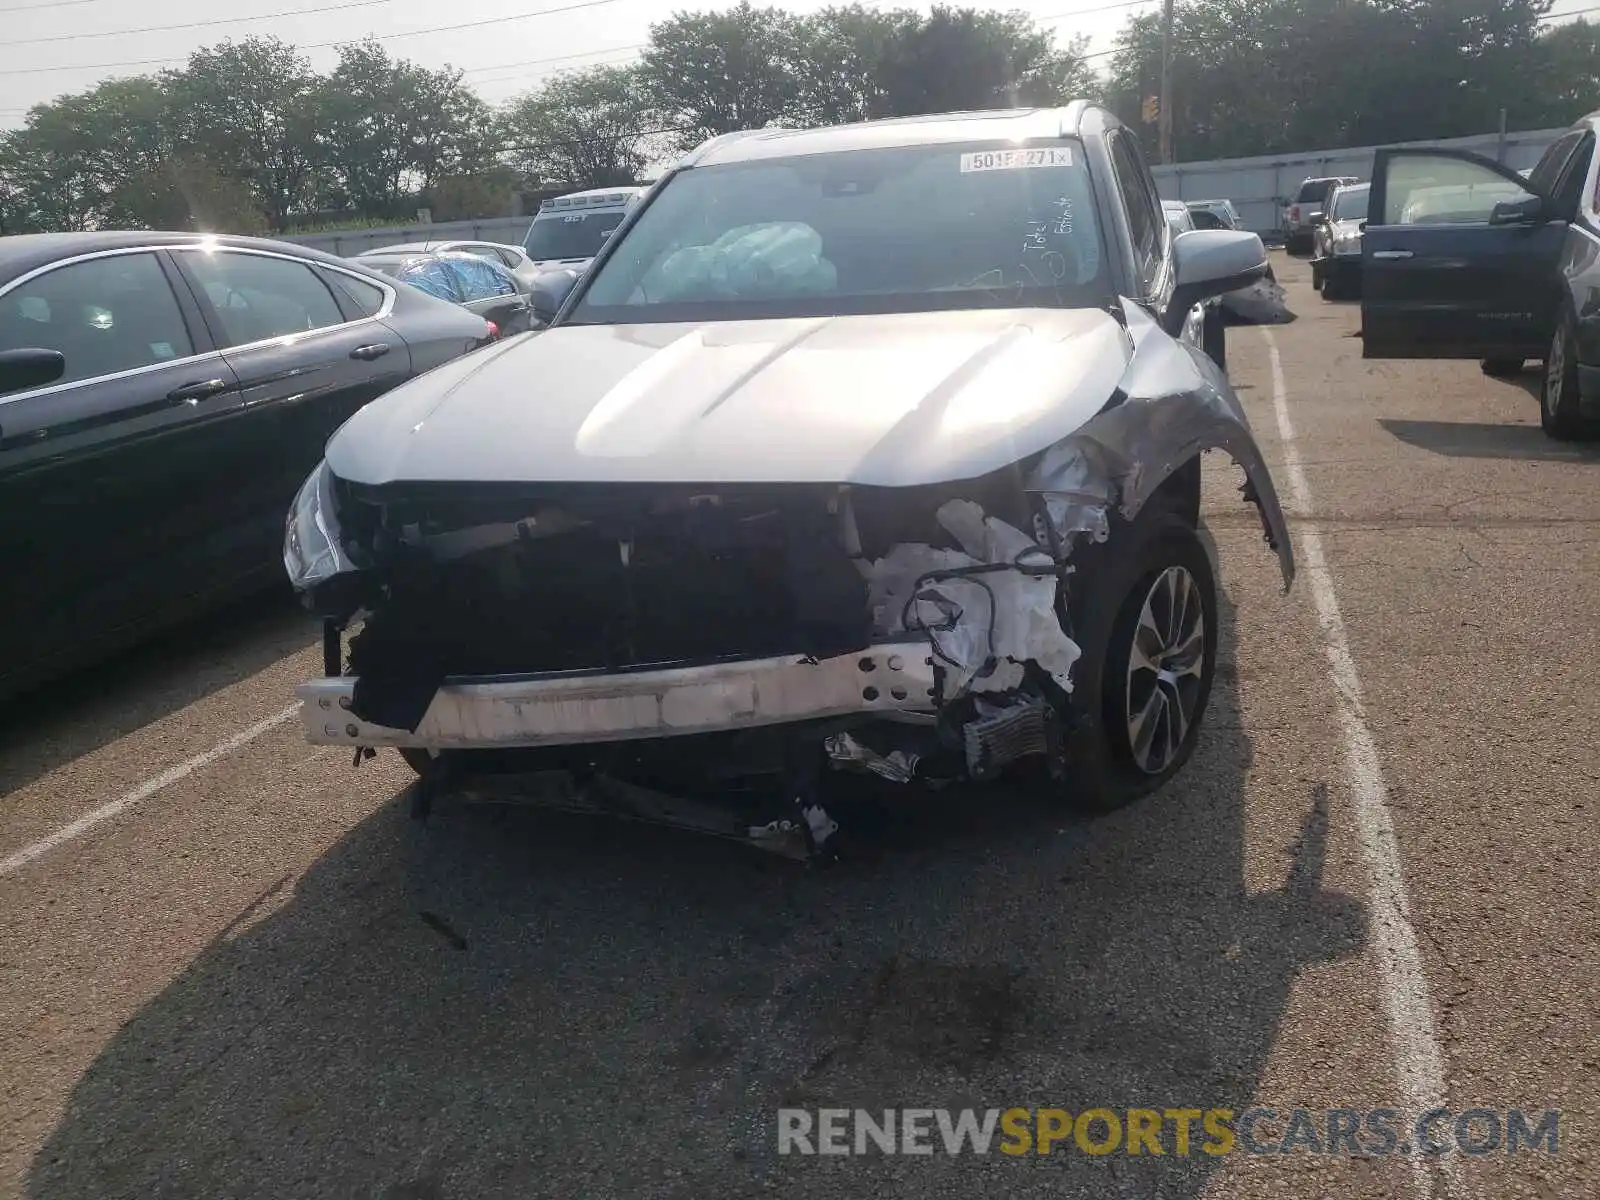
(382, 37)
(539, 62)
(601, 62)
(296, 12)
(1080, 12)
(56, 4)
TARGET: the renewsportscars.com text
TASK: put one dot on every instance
(1167, 1131)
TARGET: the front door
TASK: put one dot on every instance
(1459, 259)
(110, 476)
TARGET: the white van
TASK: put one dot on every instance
(570, 229)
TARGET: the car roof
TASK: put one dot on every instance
(400, 254)
(622, 190)
(435, 247)
(395, 259)
(23, 252)
(404, 248)
(994, 125)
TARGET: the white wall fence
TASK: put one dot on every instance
(1259, 187)
(348, 242)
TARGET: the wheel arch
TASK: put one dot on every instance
(1148, 448)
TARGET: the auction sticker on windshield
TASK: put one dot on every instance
(1012, 160)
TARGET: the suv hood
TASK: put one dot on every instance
(892, 400)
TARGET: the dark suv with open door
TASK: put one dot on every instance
(1466, 258)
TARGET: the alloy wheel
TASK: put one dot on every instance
(1165, 667)
(1555, 370)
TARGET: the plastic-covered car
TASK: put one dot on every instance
(872, 450)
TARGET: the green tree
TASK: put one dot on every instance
(587, 128)
(387, 128)
(716, 72)
(1569, 74)
(251, 109)
(1270, 76)
(961, 59)
(72, 162)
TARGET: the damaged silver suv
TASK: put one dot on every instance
(869, 449)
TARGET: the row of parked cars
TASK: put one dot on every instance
(496, 280)
(805, 472)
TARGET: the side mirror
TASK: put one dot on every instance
(1527, 211)
(1209, 262)
(23, 369)
(550, 291)
(1319, 218)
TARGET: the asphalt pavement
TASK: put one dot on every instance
(233, 966)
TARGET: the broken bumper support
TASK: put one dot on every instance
(568, 709)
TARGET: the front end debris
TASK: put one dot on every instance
(507, 640)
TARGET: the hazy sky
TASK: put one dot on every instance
(69, 45)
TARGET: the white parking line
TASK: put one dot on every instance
(1419, 1060)
(143, 792)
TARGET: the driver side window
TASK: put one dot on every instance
(1437, 189)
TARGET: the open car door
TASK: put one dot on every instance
(1458, 260)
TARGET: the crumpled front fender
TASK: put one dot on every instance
(1175, 404)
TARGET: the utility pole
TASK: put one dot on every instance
(1166, 81)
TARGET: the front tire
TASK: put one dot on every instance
(1146, 620)
(1559, 414)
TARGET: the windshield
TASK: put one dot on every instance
(570, 234)
(884, 230)
(1350, 204)
(1315, 191)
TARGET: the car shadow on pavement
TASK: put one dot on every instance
(77, 714)
(1476, 439)
(510, 1003)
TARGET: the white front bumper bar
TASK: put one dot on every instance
(486, 713)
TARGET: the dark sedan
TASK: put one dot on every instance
(485, 288)
(162, 395)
